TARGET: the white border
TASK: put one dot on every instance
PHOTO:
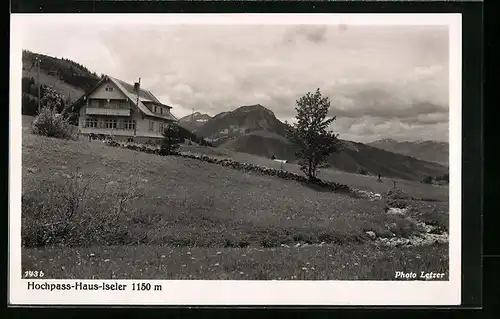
(209, 292)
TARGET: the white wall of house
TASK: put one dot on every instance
(101, 92)
(117, 101)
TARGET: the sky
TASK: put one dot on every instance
(382, 81)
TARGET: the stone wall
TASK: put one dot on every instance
(336, 187)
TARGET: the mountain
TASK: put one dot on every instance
(430, 151)
(67, 77)
(376, 161)
(194, 121)
(255, 130)
(244, 120)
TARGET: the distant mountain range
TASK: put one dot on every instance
(254, 129)
(430, 151)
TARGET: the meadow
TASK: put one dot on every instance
(93, 211)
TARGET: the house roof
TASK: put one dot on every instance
(128, 90)
(144, 95)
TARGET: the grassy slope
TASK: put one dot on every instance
(416, 189)
(388, 164)
(59, 85)
(181, 208)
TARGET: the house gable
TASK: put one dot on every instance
(108, 90)
(121, 92)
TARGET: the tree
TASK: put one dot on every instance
(52, 100)
(171, 140)
(311, 134)
(29, 105)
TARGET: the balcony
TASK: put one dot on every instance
(111, 112)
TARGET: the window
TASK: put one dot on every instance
(160, 128)
(154, 107)
(122, 104)
(151, 126)
(110, 123)
(129, 124)
(130, 139)
(161, 110)
(91, 123)
(109, 89)
(102, 104)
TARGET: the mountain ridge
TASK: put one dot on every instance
(255, 129)
(428, 150)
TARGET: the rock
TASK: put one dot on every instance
(32, 170)
(371, 235)
(399, 211)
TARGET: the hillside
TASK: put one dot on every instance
(255, 130)
(67, 77)
(376, 161)
(194, 121)
(430, 151)
(262, 143)
(179, 226)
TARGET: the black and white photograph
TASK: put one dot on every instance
(235, 159)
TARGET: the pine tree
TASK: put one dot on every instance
(311, 134)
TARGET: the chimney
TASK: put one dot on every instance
(137, 87)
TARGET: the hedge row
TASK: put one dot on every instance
(240, 166)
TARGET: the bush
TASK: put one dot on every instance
(362, 171)
(171, 140)
(49, 123)
(427, 180)
(397, 193)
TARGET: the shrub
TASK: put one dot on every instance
(171, 140)
(427, 180)
(362, 171)
(397, 193)
(49, 123)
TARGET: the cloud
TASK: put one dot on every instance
(382, 81)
